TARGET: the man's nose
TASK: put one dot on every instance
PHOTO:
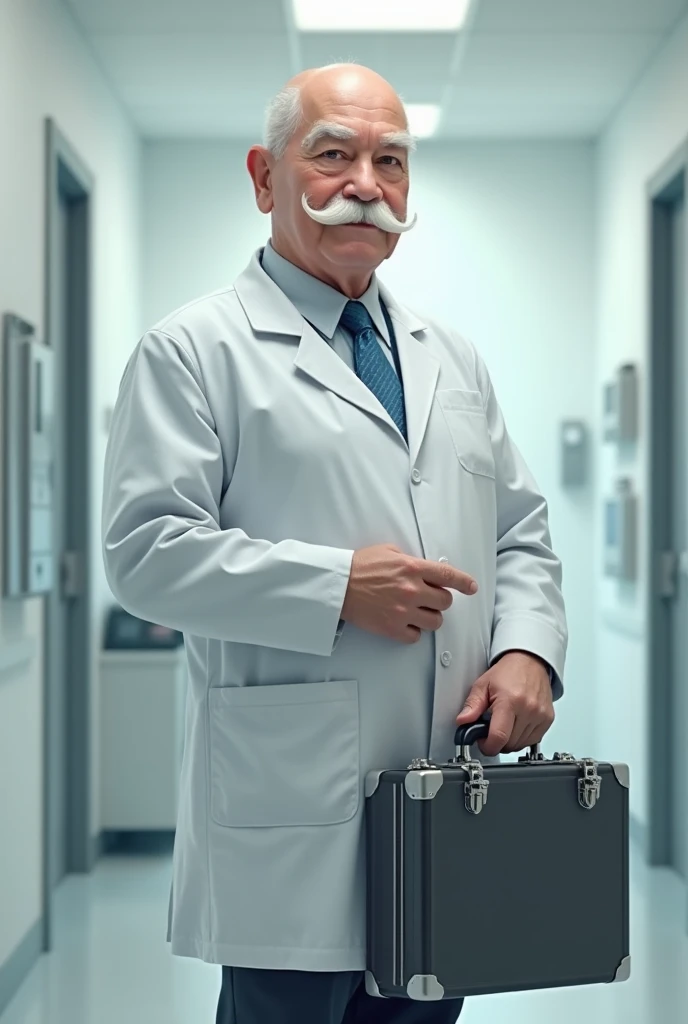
(362, 185)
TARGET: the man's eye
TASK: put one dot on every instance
(332, 154)
(393, 159)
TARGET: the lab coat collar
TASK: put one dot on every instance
(317, 301)
(401, 314)
(269, 311)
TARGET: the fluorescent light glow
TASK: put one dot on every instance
(423, 118)
(380, 15)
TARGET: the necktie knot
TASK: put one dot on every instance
(356, 317)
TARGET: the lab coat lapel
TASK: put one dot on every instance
(270, 313)
(419, 370)
(320, 362)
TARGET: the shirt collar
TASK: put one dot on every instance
(316, 301)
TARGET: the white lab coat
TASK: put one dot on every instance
(245, 465)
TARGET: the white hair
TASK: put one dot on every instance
(282, 118)
(284, 114)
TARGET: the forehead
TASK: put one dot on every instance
(372, 110)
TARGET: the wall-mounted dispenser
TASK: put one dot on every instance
(574, 454)
(620, 409)
(28, 558)
(621, 532)
(627, 403)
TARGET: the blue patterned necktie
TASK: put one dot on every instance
(372, 365)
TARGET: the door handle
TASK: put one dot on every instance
(667, 574)
(72, 572)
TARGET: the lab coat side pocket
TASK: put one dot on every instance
(284, 754)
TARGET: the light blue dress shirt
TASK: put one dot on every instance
(323, 305)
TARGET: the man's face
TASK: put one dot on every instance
(363, 167)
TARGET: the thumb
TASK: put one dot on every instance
(476, 704)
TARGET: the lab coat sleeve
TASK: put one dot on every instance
(529, 611)
(167, 560)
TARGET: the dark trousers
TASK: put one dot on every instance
(253, 996)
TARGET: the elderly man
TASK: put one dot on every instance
(317, 487)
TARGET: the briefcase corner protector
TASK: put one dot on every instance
(371, 986)
(425, 987)
(372, 781)
(623, 971)
(423, 783)
(422, 987)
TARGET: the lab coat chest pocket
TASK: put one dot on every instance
(467, 424)
(284, 754)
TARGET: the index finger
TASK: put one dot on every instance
(442, 574)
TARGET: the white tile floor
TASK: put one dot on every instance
(111, 964)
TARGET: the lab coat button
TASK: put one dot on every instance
(416, 477)
(446, 658)
(443, 559)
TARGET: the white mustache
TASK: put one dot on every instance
(352, 211)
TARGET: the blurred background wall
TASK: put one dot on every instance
(646, 130)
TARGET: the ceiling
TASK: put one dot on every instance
(520, 68)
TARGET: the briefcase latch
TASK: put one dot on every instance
(475, 790)
(589, 785)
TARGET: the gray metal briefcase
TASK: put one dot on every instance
(496, 878)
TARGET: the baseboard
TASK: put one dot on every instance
(639, 836)
(103, 843)
(144, 842)
(17, 966)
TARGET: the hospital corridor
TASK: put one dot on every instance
(344, 512)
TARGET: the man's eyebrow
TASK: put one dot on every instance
(401, 140)
(333, 130)
(327, 130)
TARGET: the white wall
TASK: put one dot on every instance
(651, 124)
(200, 222)
(46, 69)
(503, 250)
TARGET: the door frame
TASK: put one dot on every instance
(663, 190)
(66, 175)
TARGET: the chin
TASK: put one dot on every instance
(357, 253)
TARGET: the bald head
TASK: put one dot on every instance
(308, 96)
(347, 82)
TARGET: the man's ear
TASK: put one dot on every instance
(260, 162)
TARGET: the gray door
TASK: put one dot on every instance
(68, 630)
(58, 718)
(679, 654)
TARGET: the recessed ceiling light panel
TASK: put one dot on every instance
(423, 118)
(380, 15)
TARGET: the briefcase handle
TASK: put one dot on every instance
(467, 735)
